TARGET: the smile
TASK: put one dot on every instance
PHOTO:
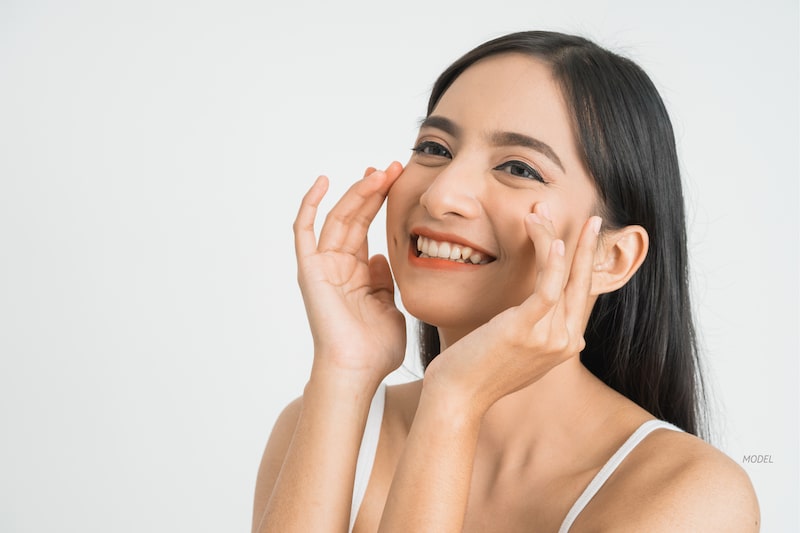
(430, 249)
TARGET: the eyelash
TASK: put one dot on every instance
(528, 172)
(427, 145)
(532, 173)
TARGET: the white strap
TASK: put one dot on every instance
(367, 451)
(609, 468)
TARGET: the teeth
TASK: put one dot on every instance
(447, 250)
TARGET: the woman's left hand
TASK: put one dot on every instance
(521, 344)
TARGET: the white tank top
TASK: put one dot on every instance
(372, 430)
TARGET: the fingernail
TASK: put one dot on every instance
(559, 245)
(535, 218)
(597, 222)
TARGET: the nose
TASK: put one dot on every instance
(455, 191)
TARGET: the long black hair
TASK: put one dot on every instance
(640, 339)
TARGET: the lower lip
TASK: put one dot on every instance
(437, 264)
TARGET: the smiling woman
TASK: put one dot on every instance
(537, 232)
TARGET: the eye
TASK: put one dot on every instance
(432, 148)
(520, 170)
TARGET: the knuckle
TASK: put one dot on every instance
(548, 300)
(561, 342)
(549, 296)
(333, 216)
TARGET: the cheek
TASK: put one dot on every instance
(403, 198)
(396, 212)
(393, 230)
(400, 203)
(509, 226)
(570, 214)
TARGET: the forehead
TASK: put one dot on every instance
(510, 92)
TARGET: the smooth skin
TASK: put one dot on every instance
(507, 427)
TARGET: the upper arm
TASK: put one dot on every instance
(274, 454)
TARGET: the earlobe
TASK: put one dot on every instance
(620, 255)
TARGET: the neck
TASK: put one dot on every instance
(560, 401)
(562, 419)
(561, 412)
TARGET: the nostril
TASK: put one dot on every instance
(441, 203)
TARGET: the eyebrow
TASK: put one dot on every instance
(508, 138)
(441, 123)
(500, 138)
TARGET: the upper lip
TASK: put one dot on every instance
(449, 237)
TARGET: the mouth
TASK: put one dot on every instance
(428, 248)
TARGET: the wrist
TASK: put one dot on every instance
(454, 401)
(333, 381)
(349, 364)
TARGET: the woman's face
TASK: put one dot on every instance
(498, 143)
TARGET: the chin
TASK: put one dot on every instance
(443, 312)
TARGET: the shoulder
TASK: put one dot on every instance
(400, 407)
(282, 431)
(274, 453)
(674, 481)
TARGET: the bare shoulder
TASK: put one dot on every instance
(274, 454)
(674, 481)
(401, 404)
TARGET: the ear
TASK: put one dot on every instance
(620, 254)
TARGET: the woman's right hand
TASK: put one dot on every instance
(306, 479)
(349, 297)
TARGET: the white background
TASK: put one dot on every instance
(153, 153)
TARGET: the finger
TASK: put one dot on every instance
(305, 241)
(363, 251)
(579, 284)
(392, 173)
(541, 232)
(381, 280)
(549, 284)
(347, 223)
(352, 215)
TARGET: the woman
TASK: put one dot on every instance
(537, 232)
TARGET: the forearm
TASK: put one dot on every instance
(314, 489)
(432, 481)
